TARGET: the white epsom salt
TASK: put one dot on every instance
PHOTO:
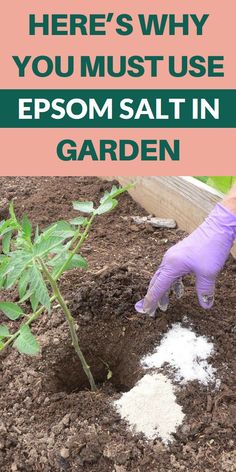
(186, 353)
(150, 408)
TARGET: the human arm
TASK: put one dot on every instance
(202, 253)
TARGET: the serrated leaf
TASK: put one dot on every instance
(61, 253)
(26, 228)
(2, 224)
(115, 191)
(46, 245)
(39, 288)
(6, 242)
(34, 302)
(4, 331)
(64, 230)
(36, 233)
(108, 205)
(59, 259)
(5, 262)
(23, 283)
(18, 262)
(14, 220)
(5, 227)
(11, 211)
(11, 310)
(22, 244)
(2, 282)
(77, 261)
(26, 343)
(47, 233)
(85, 207)
(26, 296)
(80, 221)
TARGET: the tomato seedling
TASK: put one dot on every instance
(34, 261)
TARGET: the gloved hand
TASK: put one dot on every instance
(203, 253)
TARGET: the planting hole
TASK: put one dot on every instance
(108, 340)
(111, 359)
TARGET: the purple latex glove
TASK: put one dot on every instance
(203, 253)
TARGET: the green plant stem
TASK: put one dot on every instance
(36, 315)
(71, 323)
(77, 247)
(32, 318)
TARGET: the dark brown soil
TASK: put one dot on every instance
(50, 421)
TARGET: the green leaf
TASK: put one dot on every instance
(46, 245)
(11, 211)
(223, 184)
(13, 216)
(39, 288)
(11, 310)
(202, 178)
(5, 227)
(26, 296)
(115, 191)
(85, 207)
(2, 225)
(26, 343)
(80, 221)
(64, 230)
(4, 267)
(23, 283)
(36, 234)
(3, 270)
(3, 257)
(26, 228)
(22, 244)
(4, 331)
(6, 242)
(47, 233)
(60, 249)
(34, 302)
(77, 261)
(18, 262)
(106, 206)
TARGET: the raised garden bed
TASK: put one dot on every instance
(50, 421)
(186, 199)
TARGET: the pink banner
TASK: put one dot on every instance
(34, 151)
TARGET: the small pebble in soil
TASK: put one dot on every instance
(64, 452)
(135, 228)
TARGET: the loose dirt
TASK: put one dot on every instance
(50, 421)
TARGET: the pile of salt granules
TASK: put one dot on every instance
(150, 407)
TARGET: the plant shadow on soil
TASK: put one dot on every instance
(50, 421)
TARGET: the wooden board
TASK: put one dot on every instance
(185, 199)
